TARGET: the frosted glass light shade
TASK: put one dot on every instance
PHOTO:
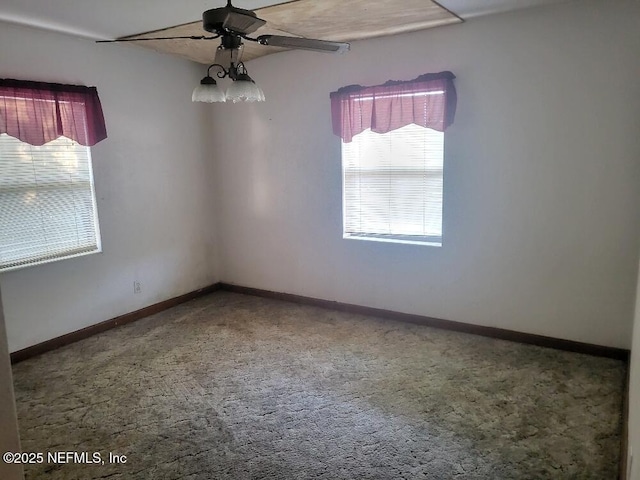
(244, 91)
(208, 92)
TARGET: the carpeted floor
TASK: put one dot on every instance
(238, 387)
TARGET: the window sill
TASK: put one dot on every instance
(43, 261)
(405, 239)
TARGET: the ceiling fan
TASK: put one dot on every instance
(233, 25)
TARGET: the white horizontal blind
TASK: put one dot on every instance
(47, 202)
(392, 185)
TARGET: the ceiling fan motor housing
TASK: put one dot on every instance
(231, 19)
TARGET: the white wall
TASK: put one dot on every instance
(9, 436)
(153, 185)
(542, 176)
(634, 394)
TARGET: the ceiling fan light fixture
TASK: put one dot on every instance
(208, 91)
(244, 89)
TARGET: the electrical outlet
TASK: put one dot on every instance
(137, 287)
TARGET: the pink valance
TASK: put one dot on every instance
(429, 100)
(37, 112)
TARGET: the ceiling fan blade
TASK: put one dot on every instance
(191, 37)
(242, 23)
(303, 43)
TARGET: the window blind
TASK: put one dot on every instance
(392, 185)
(47, 202)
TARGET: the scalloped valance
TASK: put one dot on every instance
(38, 112)
(429, 100)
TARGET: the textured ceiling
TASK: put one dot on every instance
(108, 19)
(326, 20)
(105, 19)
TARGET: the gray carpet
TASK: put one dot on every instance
(238, 387)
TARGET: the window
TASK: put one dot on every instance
(392, 157)
(47, 199)
(47, 202)
(392, 185)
